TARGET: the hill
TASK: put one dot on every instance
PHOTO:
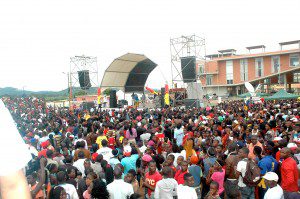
(14, 92)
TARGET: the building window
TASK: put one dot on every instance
(294, 60)
(229, 72)
(296, 77)
(275, 64)
(209, 80)
(244, 69)
(281, 79)
(259, 67)
(200, 69)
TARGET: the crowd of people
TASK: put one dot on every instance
(234, 150)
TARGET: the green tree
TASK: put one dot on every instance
(107, 91)
(80, 92)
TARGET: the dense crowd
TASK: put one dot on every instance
(231, 150)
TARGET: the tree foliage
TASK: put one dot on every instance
(107, 91)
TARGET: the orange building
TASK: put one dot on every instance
(86, 98)
(226, 72)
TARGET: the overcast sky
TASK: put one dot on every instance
(37, 38)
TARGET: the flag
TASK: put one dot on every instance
(151, 90)
(167, 96)
(99, 96)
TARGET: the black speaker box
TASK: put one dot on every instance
(162, 99)
(84, 79)
(113, 99)
(188, 69)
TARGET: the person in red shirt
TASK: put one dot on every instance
(111, 140)
(159, 140)
(151, 178)
(281, 144)
(170, 162)
(289, 174)
(179, 175)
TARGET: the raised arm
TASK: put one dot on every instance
(42, 178)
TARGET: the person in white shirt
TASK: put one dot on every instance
(105, 151)
(246, 191)
(274, 191)
(186, 190)
(119, 189)
(79, 164)
(167, 187)
(178, 134)
(12, 179)
(80, 139)
(69, 188)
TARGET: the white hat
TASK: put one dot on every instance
(292, 145)
(277, 138)
(271, 176)
(294, 119)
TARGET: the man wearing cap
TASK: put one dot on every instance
(289, 175)
(274, 191)
(114, 160)
(129, 161)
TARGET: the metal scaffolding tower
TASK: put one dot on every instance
(82, 63)
(186, 46)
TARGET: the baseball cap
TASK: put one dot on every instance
(292, 145)
(146, 158)
(127, 154)
(115, 152)
(94, 156)
(271, 176)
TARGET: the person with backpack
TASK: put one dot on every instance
(231, 162)
(266, 164)
(249, 174)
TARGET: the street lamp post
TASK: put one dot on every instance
(69, 89)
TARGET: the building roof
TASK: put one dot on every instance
(256, 47)
(227, 51)
(213, 55)
(257, 55)
(289, 42)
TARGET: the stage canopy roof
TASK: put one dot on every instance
(128, 73)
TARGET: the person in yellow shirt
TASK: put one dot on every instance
(100, 138)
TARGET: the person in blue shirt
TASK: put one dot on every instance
(196, 172)
(207, 164)
(266, 164)
(129, 162)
